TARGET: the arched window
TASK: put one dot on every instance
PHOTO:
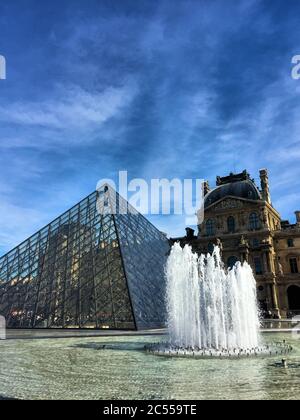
(253, 221)
(210, 227)
(231, 224)
(231, 261)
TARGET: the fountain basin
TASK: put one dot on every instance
(168, 350)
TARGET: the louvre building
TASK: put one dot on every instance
(99, 265)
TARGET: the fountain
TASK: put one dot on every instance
(212, 312)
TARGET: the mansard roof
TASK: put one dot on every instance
(234, 185)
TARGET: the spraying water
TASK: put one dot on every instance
(209, 307)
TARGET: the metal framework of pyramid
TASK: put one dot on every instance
(99, 265)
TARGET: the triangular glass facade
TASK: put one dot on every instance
(99, 265)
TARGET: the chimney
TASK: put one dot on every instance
(206, 188)
(297, 213)
(264, 182)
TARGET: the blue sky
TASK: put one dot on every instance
(188, 89)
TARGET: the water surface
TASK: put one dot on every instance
(80, 368)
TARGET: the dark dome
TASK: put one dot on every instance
(242, 189)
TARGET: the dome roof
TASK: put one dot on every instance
(241, 189)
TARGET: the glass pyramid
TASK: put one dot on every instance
(99, 265)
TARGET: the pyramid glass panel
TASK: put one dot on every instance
(144, 251)
(90, 268)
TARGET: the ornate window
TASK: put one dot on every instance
(290, 243)
(254, 221)
(231, 224)
(210, 227)
(258, 265)
(294, 265)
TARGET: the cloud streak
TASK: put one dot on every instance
(72, 109)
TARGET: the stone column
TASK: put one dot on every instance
(275, 299)
(268, 262)
(269, 296)
(264, 262)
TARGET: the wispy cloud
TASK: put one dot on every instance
(72, 108)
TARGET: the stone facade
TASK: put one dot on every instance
(240, 218)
